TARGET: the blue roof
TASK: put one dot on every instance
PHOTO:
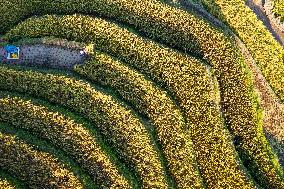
(11, 49)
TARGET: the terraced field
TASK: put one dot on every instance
(175, 94)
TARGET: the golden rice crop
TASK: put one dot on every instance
(239, 102)
(188, 32)
(4, 184)
(278, 9)
(266, 51)
(118, 125)
(64, 133)
(37, 169)
(186, 77)
(157, 105)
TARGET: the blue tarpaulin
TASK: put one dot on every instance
(11, 49)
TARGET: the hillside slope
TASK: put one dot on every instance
(171, 95)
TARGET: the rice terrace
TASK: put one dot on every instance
(152, 94)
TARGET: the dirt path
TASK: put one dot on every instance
(256, 6)
(273, 118)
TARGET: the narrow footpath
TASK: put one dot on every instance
(257, 7)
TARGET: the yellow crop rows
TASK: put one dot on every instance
(157, 105)
(266, 51)
(118, 125)
(38, 169)
(64, 133)
(188, 78)
(4, 184)
(278, 9)
(209, 122)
